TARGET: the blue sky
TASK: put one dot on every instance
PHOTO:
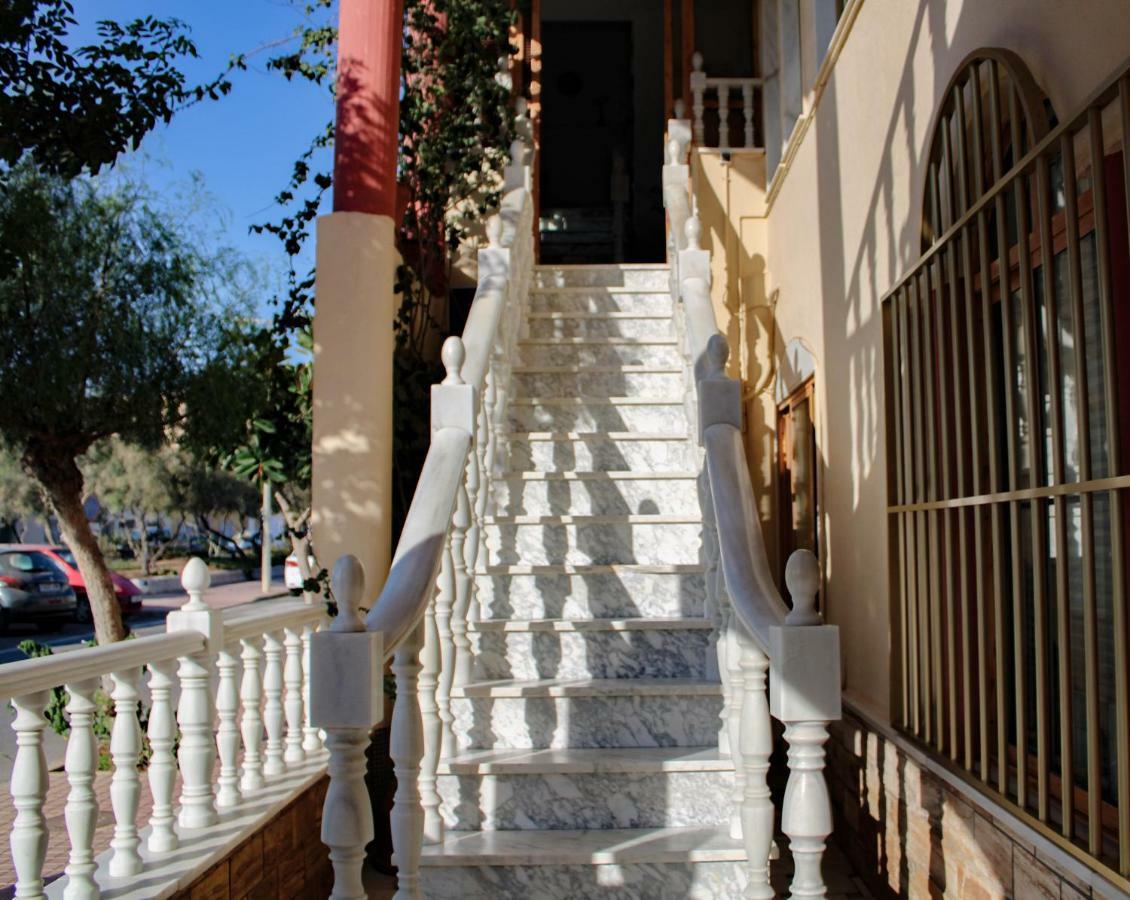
(244, 145)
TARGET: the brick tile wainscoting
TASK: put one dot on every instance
(284, 859)
(911, 829)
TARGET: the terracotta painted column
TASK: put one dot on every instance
(353, 326)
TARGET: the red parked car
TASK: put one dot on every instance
(128, 593)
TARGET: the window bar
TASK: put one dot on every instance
(922, 523)
(898, 426)
(1118, 596)
(930, 361)
(943, 297)
(910, 519)
(947, 193)
(1036, 520)
(1090, 602)
(1059, 504)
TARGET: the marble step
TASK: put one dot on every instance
(596, 493)
(641, 276)
(595, 299)
(566, 789)
(585, 592)
(591, 648)
(608, 414)
(600, 540)
(607, 352)
(700, 862)
(614, 451)
(597, 325)
(587, 712)
(639, 382)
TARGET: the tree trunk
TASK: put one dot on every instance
(63, 482)
(145, 547)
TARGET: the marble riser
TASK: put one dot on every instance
(655, 418)
(591, 654)
(597, 328)
(597, 497)
(599, 355)
(664, 720)
(567, 801)
(600, 454)
(594, 544)
(643, 303)
(631, 881)
(602, 595)
(640, 279)
(657, 385)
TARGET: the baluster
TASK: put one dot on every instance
(28, 838)
(345, 700)
(476, 509)
(125, 786)
(227, 734)
(311, 739)
(723, 116)
(292, 675)
(460, 525)
(735, 696)
(756, 743)
(162, 770)
(429, 673)
(806, 814)
(407, 745)
(251, 720)
(444, 602)
(273, 717)
(698, 88)
(197, 752)
(81, 812)
(747, 112)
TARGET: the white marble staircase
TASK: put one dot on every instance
(586, 761)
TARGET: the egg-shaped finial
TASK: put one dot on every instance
(521, 106)
(693, 232)
(195, 579)
(453, 355)
(517, 152)
(680, 108)
(348, 584)
(494, 231)
(673, 152)
(802, 577)
(696, 60)
(717, 353)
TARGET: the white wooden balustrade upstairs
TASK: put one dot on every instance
(702, 85)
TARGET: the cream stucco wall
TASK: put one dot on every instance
(841, 228)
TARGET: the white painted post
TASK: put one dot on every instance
(28, 838)
(273, 715)
(805, 695)
(292, 677)
(311, 739)
(756, 748)
(747, 112)
(81, 812)
(162, 770)
(197, 753)
(251, 720)
(698, 88)
(125, 786)
(346, 664)
(227, 734)
(723, 116)
(406, 750)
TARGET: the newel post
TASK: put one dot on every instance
(805, 696)
(346, 700)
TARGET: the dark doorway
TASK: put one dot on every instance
(592, 204)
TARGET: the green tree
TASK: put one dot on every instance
(20, 498)
(107, 335)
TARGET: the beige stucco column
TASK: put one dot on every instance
(353, 347)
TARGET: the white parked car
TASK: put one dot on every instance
(292, 574)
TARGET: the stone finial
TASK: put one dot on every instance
(517, 152)
(802, 577)
(195, 579)
(673, 154)
(494, 231)
(693, 231)
(348, 582)
(680, 109)
(696, 61)
(453, 354)
(717, 354)
(521, 107)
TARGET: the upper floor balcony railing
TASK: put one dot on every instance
(720, 105)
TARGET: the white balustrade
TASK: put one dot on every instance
(210, 713)
(702, 84)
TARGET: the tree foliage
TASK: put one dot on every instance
(20, 497)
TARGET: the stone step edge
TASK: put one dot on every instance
(597, 342)
(588, 687)
(611, 316)
(619, 846)
(596, 475)
(582, 626)
(600, 267)
(594, 436)
(617, 519)
(597, 401)
(566, 569)
(605, 288)
(582, 369)
(588, 761)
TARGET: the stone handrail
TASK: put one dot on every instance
(421, 617)
(755, 633)
(228, 701)
(700, 83)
